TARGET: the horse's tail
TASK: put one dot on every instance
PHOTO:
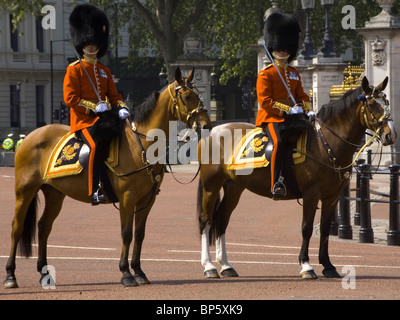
(203, 221)
(28, 235)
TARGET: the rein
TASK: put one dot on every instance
(330, 152)
(337, 136)
(331, 155)
(368, 120)
(156, 178)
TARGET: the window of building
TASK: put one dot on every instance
(40, 122)
(14, 106)
(13, 36)
(39, 35)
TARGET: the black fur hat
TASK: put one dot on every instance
(89, 24)
(281, 32)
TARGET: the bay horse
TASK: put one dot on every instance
(135, 187)
(341, 125)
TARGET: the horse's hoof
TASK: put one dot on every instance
(211, 274)
(331, 274)
(129, 281)
(309, 275)
(10, 283)
(141, 279)
(229, 273)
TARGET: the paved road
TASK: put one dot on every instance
(263, 236)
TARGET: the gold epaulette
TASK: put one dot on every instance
(267, 67)
(74, 63)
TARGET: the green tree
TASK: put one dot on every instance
(19, 8)
(343, 39)
(229, 27)
(158, 24)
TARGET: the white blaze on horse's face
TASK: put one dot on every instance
(380, 119)
(393, 134)
(388, 132)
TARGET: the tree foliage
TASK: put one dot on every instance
(228, 28)
(19, 8)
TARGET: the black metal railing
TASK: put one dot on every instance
(341, 225)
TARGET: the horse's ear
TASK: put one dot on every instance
(178, 75)
(190, 76)
(365, 85)
(383, 85)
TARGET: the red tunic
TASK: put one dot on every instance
(80, 96)
(271, 90)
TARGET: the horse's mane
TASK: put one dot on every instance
(143, 111)
(338, 107)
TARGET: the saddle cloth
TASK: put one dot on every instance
(250, 152)
(64, 159)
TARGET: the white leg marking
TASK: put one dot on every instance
(206, 260)
(306, 267)
(221, 254)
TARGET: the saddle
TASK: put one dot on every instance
(71, 155)
(255, 151)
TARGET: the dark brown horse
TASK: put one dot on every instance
(136, 192)
(320, 178)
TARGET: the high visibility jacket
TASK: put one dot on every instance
(80, 96)
(273, 97)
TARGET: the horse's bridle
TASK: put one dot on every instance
(369, 119)
(190, 114)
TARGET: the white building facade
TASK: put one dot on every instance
(27, 56)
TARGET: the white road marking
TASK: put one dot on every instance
(198, 261)
(80, 248)
(198, 252)
(265, 246)
(264, 253)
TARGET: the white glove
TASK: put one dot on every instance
(296, 109)
(123, 113)
(311, 114)
(101, 107)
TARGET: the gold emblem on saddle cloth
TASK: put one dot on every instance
(256, 145)
(250, 152)
(64, 159)
(68, 153)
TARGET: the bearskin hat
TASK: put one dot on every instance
(89, 24)
(281, 32)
